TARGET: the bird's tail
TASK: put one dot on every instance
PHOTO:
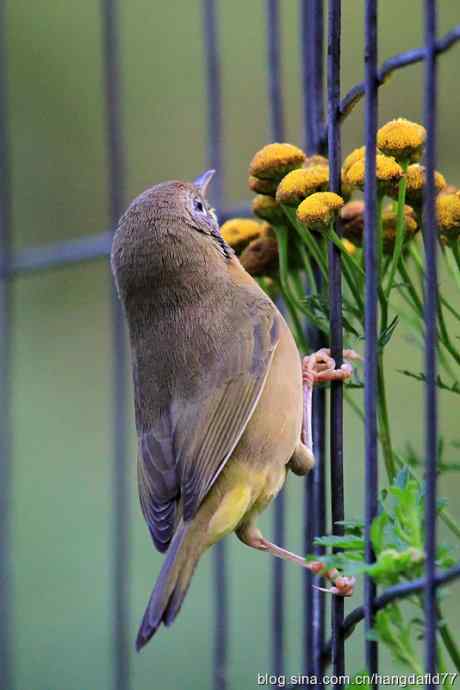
(173, 582)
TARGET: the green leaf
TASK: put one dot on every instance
(444, 556)
(355, 543)
(452, 387)
(377, 532)
(402, 478)
(387, 333)
(355, 527)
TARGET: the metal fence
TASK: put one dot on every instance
(318, 137)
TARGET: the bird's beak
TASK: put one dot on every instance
(202, 182)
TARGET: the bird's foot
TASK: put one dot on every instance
(341, 585)
(320, 366)
(253, 537)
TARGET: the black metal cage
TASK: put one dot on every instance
(321, 134)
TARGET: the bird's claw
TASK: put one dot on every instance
(320, 366)
(342, 586)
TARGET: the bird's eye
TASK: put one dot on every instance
(198, 205)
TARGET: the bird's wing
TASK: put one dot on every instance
(185, 453)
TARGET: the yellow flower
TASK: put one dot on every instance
(388, 172)
(448, 212)
(416, 180)
(318, 210)
(267, 208)
(274, 161)
(300, 183)
(402, 139)
(349, 247)
(351, 159)
(316, 159)
(389, 222)
(238, 232)
(449, 189)
(262, 186)
(260, 258)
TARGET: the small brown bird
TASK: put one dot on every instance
(217, 386)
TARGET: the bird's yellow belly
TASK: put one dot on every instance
(243, 492)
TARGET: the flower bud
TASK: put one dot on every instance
(388, 173)
(316, 159)
(267, 208)
(238, 232)
(349, 247)
(262, 186)
(260, 258)
(416, 181)
(299, 184)
(389, 225)
(318, 210)
(448, 212)
(351, 159)
(352, 216)
(274, 161)
(402, 139)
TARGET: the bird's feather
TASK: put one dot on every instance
(184, 451)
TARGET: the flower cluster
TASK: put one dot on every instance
(400, 177)
(292, 191)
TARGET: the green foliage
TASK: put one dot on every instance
(397, 535)
(398, 532)
(392, 629)
(453, 387)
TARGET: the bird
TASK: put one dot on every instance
(218, 386)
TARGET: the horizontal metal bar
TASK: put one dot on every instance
(409, 57)
(60, 253)
(83, 249)
(391, 594)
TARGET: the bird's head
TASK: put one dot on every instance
(167, 228)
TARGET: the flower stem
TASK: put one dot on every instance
(417, 302)
(448, 640)
(384, 422)
(450, 522)
(289, 298)
(456, 253)
(452, 266)
(400, 229)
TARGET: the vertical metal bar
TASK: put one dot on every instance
(120, 486)
(308, 71)
(318, 70)
(311, 40)
(335, 301)
(278, 626)
(274, 70)
(319, 502)
(279, 521)
(212, 57)
(6, 595)
(431, 305)
(371, 313)
(215, 140)
(309, 533)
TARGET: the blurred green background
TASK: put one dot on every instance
(62, 357)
